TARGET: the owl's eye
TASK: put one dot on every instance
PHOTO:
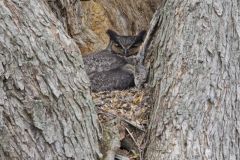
(135, 45)
(117, 45)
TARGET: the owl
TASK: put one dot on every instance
(109, 69)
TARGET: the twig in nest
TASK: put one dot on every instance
(139, 149)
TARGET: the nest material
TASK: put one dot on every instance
(129, 109)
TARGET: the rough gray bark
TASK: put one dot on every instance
(46, 111)
(195, 74)
(71, 14)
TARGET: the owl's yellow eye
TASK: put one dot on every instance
(135, 45)
(117, 45)
(116, 48)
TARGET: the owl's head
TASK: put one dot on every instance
(126, 45)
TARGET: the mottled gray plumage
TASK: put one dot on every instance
(116, 79)
(103, 61)
(110, 69)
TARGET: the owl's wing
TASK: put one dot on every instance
(116, 79)
(102, 61)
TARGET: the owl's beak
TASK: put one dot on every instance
(126, 52)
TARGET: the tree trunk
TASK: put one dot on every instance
(195, 73)
(126, 17)
(46, 111)
(71, 13)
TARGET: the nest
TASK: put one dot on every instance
(124, 118)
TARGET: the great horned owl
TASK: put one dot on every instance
(110, 68)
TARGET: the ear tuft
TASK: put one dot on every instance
(112, 34)
(140, 36)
